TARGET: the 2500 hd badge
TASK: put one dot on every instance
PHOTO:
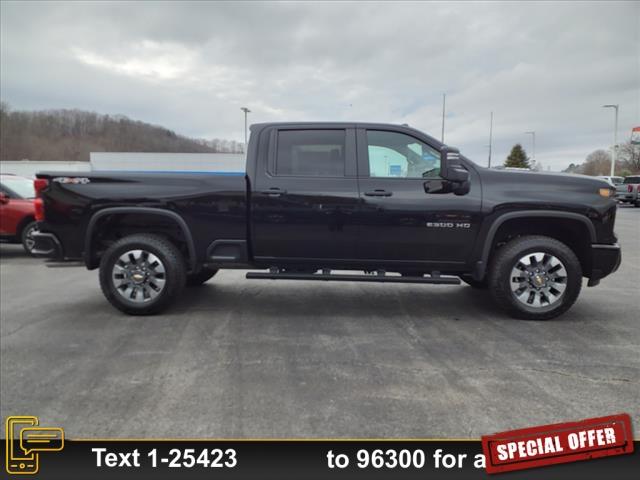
(448, 225)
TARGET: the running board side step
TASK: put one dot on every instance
(379, 277)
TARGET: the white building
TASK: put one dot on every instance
(29, 168)
(168, 162)
(133, 161)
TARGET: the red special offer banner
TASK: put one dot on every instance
(558, 443)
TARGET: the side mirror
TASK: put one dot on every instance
(437, 186)
(463, 187)
(457, 174)
(449, 157)
(451, 170)
(4, 198)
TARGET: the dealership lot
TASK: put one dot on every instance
(241, 358)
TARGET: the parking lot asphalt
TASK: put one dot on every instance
(252, 358)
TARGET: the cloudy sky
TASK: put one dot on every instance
(538, 66)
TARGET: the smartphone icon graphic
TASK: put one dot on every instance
(18, 462)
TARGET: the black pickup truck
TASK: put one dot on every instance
(386, 203)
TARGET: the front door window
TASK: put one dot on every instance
(393, 154)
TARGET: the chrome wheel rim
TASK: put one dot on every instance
(138, 276)
(29, 242)
(538, 280)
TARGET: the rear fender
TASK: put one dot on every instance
(92, 262)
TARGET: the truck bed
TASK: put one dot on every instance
(202, 199)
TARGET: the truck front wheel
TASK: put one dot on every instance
(141, 274)
(535, 277)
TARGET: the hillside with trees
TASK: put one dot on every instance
(69, 135)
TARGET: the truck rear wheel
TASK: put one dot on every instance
(142, 274)
(535, 277)
(195, 279)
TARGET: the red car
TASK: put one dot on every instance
(17, 211)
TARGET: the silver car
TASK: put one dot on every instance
(629, 190)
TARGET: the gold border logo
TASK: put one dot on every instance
(25, 440)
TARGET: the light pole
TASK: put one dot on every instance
(533, 136)
(246, 111)
(614, 154)
(444, 97)
(490, 138)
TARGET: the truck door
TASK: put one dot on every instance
(305, 195)
(400, 221)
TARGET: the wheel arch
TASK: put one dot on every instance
(120, 212)
(572, 228)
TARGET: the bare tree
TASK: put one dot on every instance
(629, 157)
(597, 163)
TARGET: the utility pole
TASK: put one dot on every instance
(533, 136)
(444, 97)
(614, 154)
(490, 138)
(246, 111)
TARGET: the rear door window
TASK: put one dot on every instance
(311, 153)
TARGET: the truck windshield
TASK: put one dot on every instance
(19, 185)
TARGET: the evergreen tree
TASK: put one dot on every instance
(517, 158)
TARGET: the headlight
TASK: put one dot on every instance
(607, 192)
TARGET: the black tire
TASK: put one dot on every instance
(479, 284)
(26, 238)
(506, 258)
(174, 273)
(195, 279)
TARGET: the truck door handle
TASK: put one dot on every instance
(378, 193)
(274, 191)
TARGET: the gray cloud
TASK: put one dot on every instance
(539, 66)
